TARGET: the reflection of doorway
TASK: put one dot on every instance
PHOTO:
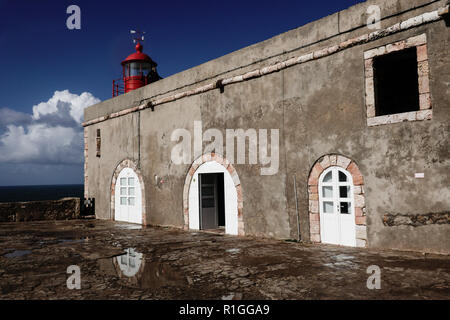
(212, 200)
(130, 262)
(135, 271)
(337, 212)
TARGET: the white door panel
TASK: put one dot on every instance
(128, 197)
(336, 207)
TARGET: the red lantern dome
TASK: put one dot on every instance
(138, 70)
(138, 56)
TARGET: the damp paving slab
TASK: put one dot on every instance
(125, 261)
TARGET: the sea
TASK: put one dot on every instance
(37, 193)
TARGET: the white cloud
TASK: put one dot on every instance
(40, 144)
(52, 135)
(8, 116)
(77, 104)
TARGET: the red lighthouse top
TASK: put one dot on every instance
(138, 56)
(138, 70)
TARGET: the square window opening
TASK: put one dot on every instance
(396, 82)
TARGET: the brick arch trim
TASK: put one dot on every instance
(209, 157)
(313, 195)
(127, 163)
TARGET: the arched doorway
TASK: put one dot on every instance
(127, 194)
(337, 213)
(213, 196)
(336, 207)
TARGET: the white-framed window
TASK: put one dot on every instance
(336, 192)
(127, 191)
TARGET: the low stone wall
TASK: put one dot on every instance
(63, 209)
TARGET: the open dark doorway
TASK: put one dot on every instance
(212, 200)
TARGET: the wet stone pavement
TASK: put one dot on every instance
(125, 261)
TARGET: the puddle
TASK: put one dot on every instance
(232, 296)
(135, 270)
(233, 250)
(17, 253)
(130, 262)
(130, 226)
(343, 257)
(72, 240)
(342, 261)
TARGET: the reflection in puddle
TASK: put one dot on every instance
(348, 265)
(232, 296)
(130, 262)
(135, 270)
(17, 253)
(343, 257)
(130, 226)
(343, 261)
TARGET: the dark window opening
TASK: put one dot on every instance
(99, 141)
(396, 82)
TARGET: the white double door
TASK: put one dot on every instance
(336, 207)
(128, 197)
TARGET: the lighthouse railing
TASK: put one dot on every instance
(118, 87)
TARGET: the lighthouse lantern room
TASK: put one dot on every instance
(138, 70)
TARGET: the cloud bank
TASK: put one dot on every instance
(51, 135)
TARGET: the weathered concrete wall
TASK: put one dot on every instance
(63, 209)
(319, 108)
(329, 117)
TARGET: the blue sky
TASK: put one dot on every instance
(50, 73)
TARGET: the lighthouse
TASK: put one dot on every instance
(138, 70)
